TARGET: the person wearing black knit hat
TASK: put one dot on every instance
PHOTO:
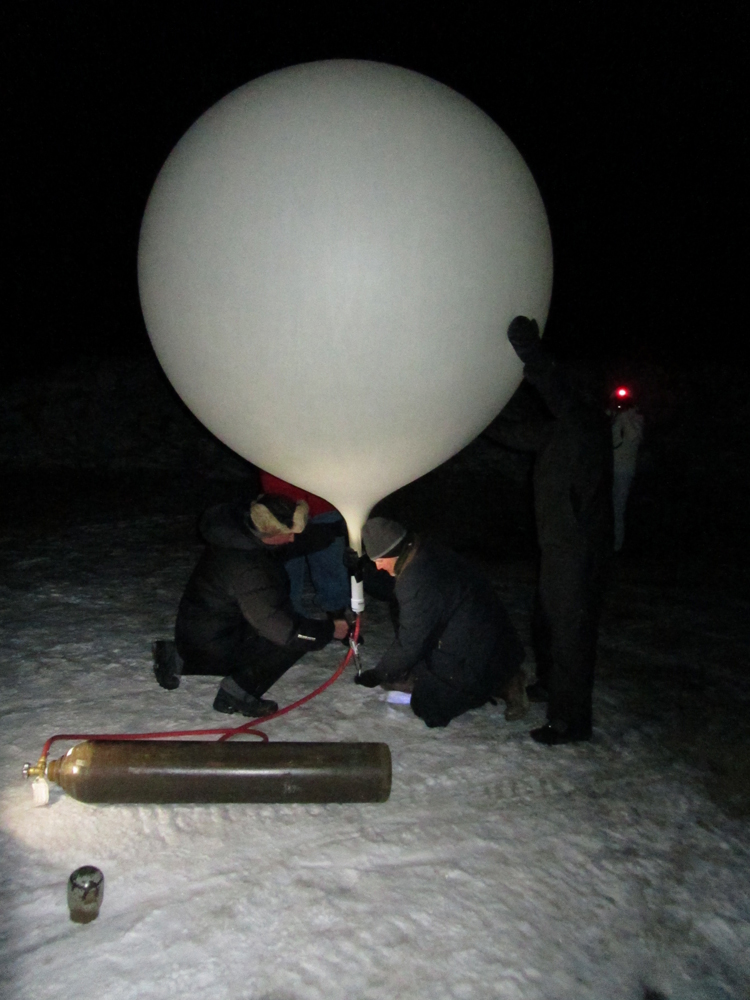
(235, 618)
(455, 645)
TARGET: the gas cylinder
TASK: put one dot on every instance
(197, 771)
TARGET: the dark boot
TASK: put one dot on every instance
(515, 697)
(167, 664)
(230, 698)
(553, 734)
(513, 693)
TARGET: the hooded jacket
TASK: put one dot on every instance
(240, 587)
(451, 620)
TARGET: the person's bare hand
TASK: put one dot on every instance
(340, 628)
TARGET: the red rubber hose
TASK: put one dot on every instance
(223, 733)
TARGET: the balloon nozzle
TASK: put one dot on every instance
(358, 595)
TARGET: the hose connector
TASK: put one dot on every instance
(37, 770)
(39, 784)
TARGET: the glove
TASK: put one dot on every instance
(523, 334)
(368, 678)
(355, 564)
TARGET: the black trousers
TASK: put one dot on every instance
(251, 661)
(565, 629)
(436, 702)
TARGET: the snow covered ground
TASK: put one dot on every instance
(497, 869)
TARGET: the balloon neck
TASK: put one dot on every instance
(355, 537)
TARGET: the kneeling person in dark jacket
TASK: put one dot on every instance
(236, 618)
(455, 645)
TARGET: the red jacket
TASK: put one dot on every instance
(271, 484)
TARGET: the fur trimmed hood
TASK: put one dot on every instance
(272, 514)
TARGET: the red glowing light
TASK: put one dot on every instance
(622, 392)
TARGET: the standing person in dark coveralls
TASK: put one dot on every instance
(236, 618)
(573, 505)
(455, 645)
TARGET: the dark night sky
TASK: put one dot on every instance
(632, 118)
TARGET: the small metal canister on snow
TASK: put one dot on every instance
(85, 893)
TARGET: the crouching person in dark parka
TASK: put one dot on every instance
(455, 645)
(236, 619)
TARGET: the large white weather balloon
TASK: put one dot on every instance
(328, 262)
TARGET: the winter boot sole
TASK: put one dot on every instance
(166, 670)
(251, 707)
